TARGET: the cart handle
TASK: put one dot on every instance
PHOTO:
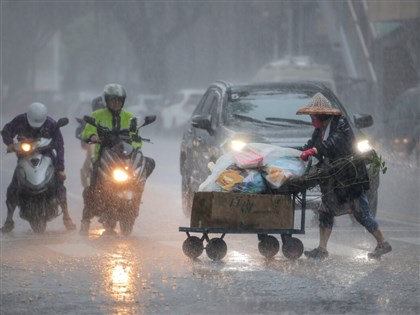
(308, 166)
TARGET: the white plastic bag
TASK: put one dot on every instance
(278, 171)
(221, 165)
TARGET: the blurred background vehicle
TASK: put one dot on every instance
(180, 106)
(145, 104)
(292, 68)
(402, 129)
(231, 116)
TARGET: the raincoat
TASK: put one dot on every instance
(20, 127)
(348, 180)
(107, 118)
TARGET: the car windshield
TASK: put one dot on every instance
(272, 108)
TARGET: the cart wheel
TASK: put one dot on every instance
(268, 246)
(193, 247)
(216, 249)
(292, 248)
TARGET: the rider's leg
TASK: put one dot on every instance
(89, 202)
(62, 199)
(85, 170)
(11, 203)
(87, 213)
(9, 224)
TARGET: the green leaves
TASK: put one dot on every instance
(378, 164)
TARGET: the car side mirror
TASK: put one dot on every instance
(363, 120)
(202, 122)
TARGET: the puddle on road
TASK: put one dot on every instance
(76, 250)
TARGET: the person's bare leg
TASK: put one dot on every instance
(324, 236)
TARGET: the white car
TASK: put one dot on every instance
(142, 105)
(292, 68)
(181, 105)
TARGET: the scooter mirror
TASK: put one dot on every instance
(149, 119)
(62, 121)
(89, 120)
(133, 124)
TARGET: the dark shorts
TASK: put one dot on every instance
(359, 208)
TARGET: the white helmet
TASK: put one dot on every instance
(36, 115)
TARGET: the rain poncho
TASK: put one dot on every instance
(106, 118)
(351, 177)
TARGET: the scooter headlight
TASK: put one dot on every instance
(364, 146)
(120, 175)
(25, 147)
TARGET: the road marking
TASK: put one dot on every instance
(410, 240)
(401, 218)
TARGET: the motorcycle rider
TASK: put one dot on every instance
(96, 104)
(35, 123)
(113, 117)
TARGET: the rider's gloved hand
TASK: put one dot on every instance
(61, 176)
(306, 154)
(10, 148)
(94, 138)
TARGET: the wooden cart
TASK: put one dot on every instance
(239, 213)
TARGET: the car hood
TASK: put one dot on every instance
(282, 136)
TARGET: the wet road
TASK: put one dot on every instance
(147, 273)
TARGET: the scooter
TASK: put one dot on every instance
(37, 181)
(122, 173)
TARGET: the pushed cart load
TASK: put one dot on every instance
(251, 200)
(239, 213)
(223, 209)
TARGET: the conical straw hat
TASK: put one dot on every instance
(319, 105)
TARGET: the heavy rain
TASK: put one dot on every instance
(166, 54)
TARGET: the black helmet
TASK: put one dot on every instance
(113, 90)
(97, 103)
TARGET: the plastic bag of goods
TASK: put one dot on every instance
(277, 172)
(252, 183)
(279, 163)
(248, 158)
(240, 180)
(227, 176)
(221, 165)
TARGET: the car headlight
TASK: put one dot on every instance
(120, 175)
(364, 146)
(237, 145)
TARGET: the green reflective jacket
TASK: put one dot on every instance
(105, 118)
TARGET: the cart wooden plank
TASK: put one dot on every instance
(241, 211)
